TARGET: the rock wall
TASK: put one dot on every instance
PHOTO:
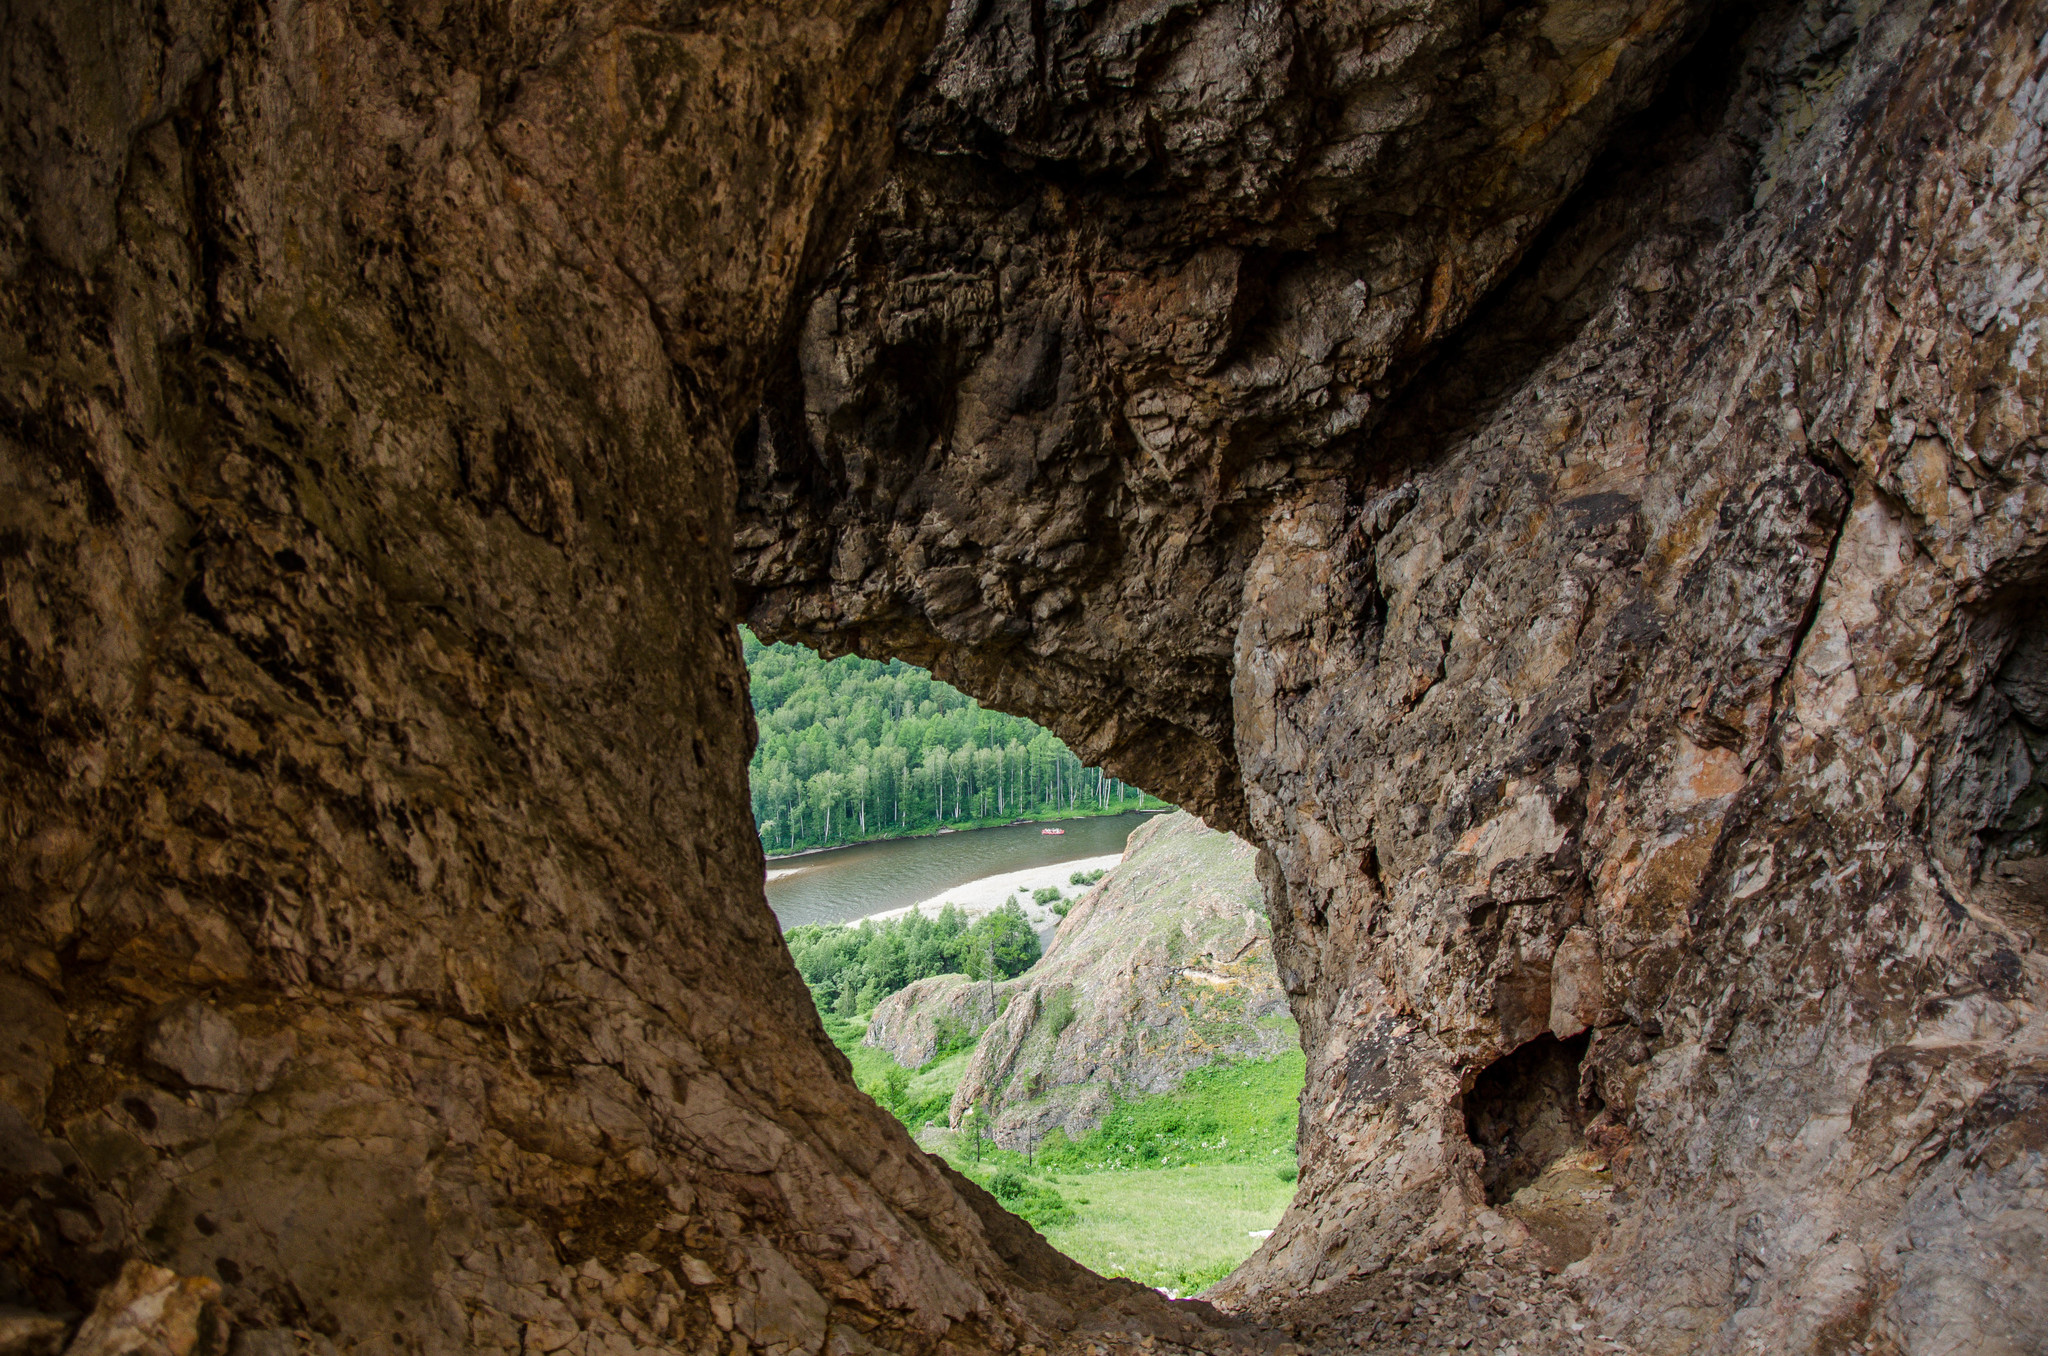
(1164, 967)
(1567, 481)
(922, 1018)
(1144, 269)
(382, 944)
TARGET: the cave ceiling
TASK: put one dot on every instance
(1563, 480)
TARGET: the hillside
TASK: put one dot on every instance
(855, 749)
(1164, 967)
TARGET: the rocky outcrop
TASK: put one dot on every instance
(1564, 479)
(381, 934)
(1588, 527)
(1145, 270)
(1164, 967)
(919, 1021)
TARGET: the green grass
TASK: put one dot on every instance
(927, 1093)
(1181, 1229)
(1224, 1113)
(1167, 1191)
(912, 1096)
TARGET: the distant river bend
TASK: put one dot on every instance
(853, 882)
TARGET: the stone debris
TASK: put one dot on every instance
(153, 1311)
(1479, 1305)
(24, 1332)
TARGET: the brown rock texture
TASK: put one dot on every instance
(381, 928)
(1144, 270)
(1588, 527)
(1164, 967)
(1565, 480)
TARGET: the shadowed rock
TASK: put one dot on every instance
(1598, 560)
(1564, 480)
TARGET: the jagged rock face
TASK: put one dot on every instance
(382, 935)
(1164, 967)
(914, 1024)
(1143, 269)
(1642, 656)
(1607, 588)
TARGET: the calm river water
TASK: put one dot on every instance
(853, 882)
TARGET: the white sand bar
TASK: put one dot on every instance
(982, 896)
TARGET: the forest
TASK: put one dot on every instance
(853, 749)
(850, 969)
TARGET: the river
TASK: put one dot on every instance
(852, 882)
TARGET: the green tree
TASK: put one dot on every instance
(850, 969)
(854, 748)
(1003, 937)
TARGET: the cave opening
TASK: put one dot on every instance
(1557, 454)
(1526, 1111)
(852, 750)
(1054, 982)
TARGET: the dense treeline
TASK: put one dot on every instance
(854, 748)
(850, 969)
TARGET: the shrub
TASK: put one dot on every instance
(1003, 934)
(1036, 1203)
(1059, 1013)
(1064, 907)
(1225, 1113)
(952, 1035)
(1050, 894)
(1290, 1173)
(1086, 877)
(850, 969)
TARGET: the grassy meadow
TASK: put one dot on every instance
(1180, 1229)
(1167, 1191)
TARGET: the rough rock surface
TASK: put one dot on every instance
(914, 1024)
(156, 1312)
(1565, 479)
(1593, 538)
(381, 926)
(1144, 270)
(1164, 967)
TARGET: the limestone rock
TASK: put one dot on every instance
(1139, 272)
(1633, 627)
(1578, 990)
(194, 1045)
(23, 1332)
(368, 379)
(32, 1049)
(153, 1311)
(919, 1020)
(1164, 967)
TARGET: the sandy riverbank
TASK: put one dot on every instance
(982, 896)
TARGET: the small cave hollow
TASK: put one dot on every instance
(1525, 1112)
